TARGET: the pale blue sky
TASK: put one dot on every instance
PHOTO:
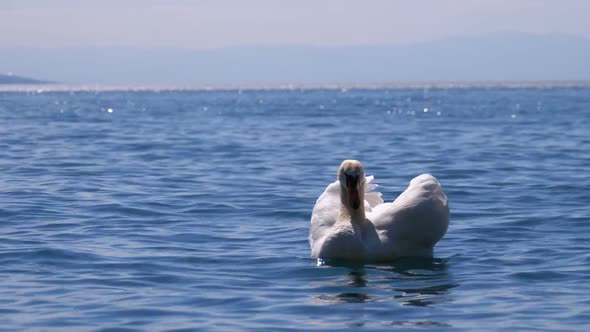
(212, 24)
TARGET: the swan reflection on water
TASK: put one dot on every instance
(417, 282)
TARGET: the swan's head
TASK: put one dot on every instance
(352, 183)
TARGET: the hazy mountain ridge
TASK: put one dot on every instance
(498, 57)
(14, 79)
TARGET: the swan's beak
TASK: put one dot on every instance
(352, 187)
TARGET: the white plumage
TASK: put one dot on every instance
(342, 228)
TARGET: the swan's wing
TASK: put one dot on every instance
(418, 218)
(325, 212)
(327, 207)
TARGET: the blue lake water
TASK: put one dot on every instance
(189, 210)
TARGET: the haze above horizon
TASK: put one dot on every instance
(64, 27)
(213, 24)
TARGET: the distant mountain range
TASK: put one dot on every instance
(506, 56)
(13, 79)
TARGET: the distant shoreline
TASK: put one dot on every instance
(39, 88)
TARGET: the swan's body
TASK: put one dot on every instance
(342, 227)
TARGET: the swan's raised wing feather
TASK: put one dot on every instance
(423, 189)
(416, 220)
(372, 198)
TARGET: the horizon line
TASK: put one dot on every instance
(392, 85)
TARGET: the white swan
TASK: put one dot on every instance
(342, 227)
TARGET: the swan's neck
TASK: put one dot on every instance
(347, 213)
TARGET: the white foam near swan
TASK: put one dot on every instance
(350, 221)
